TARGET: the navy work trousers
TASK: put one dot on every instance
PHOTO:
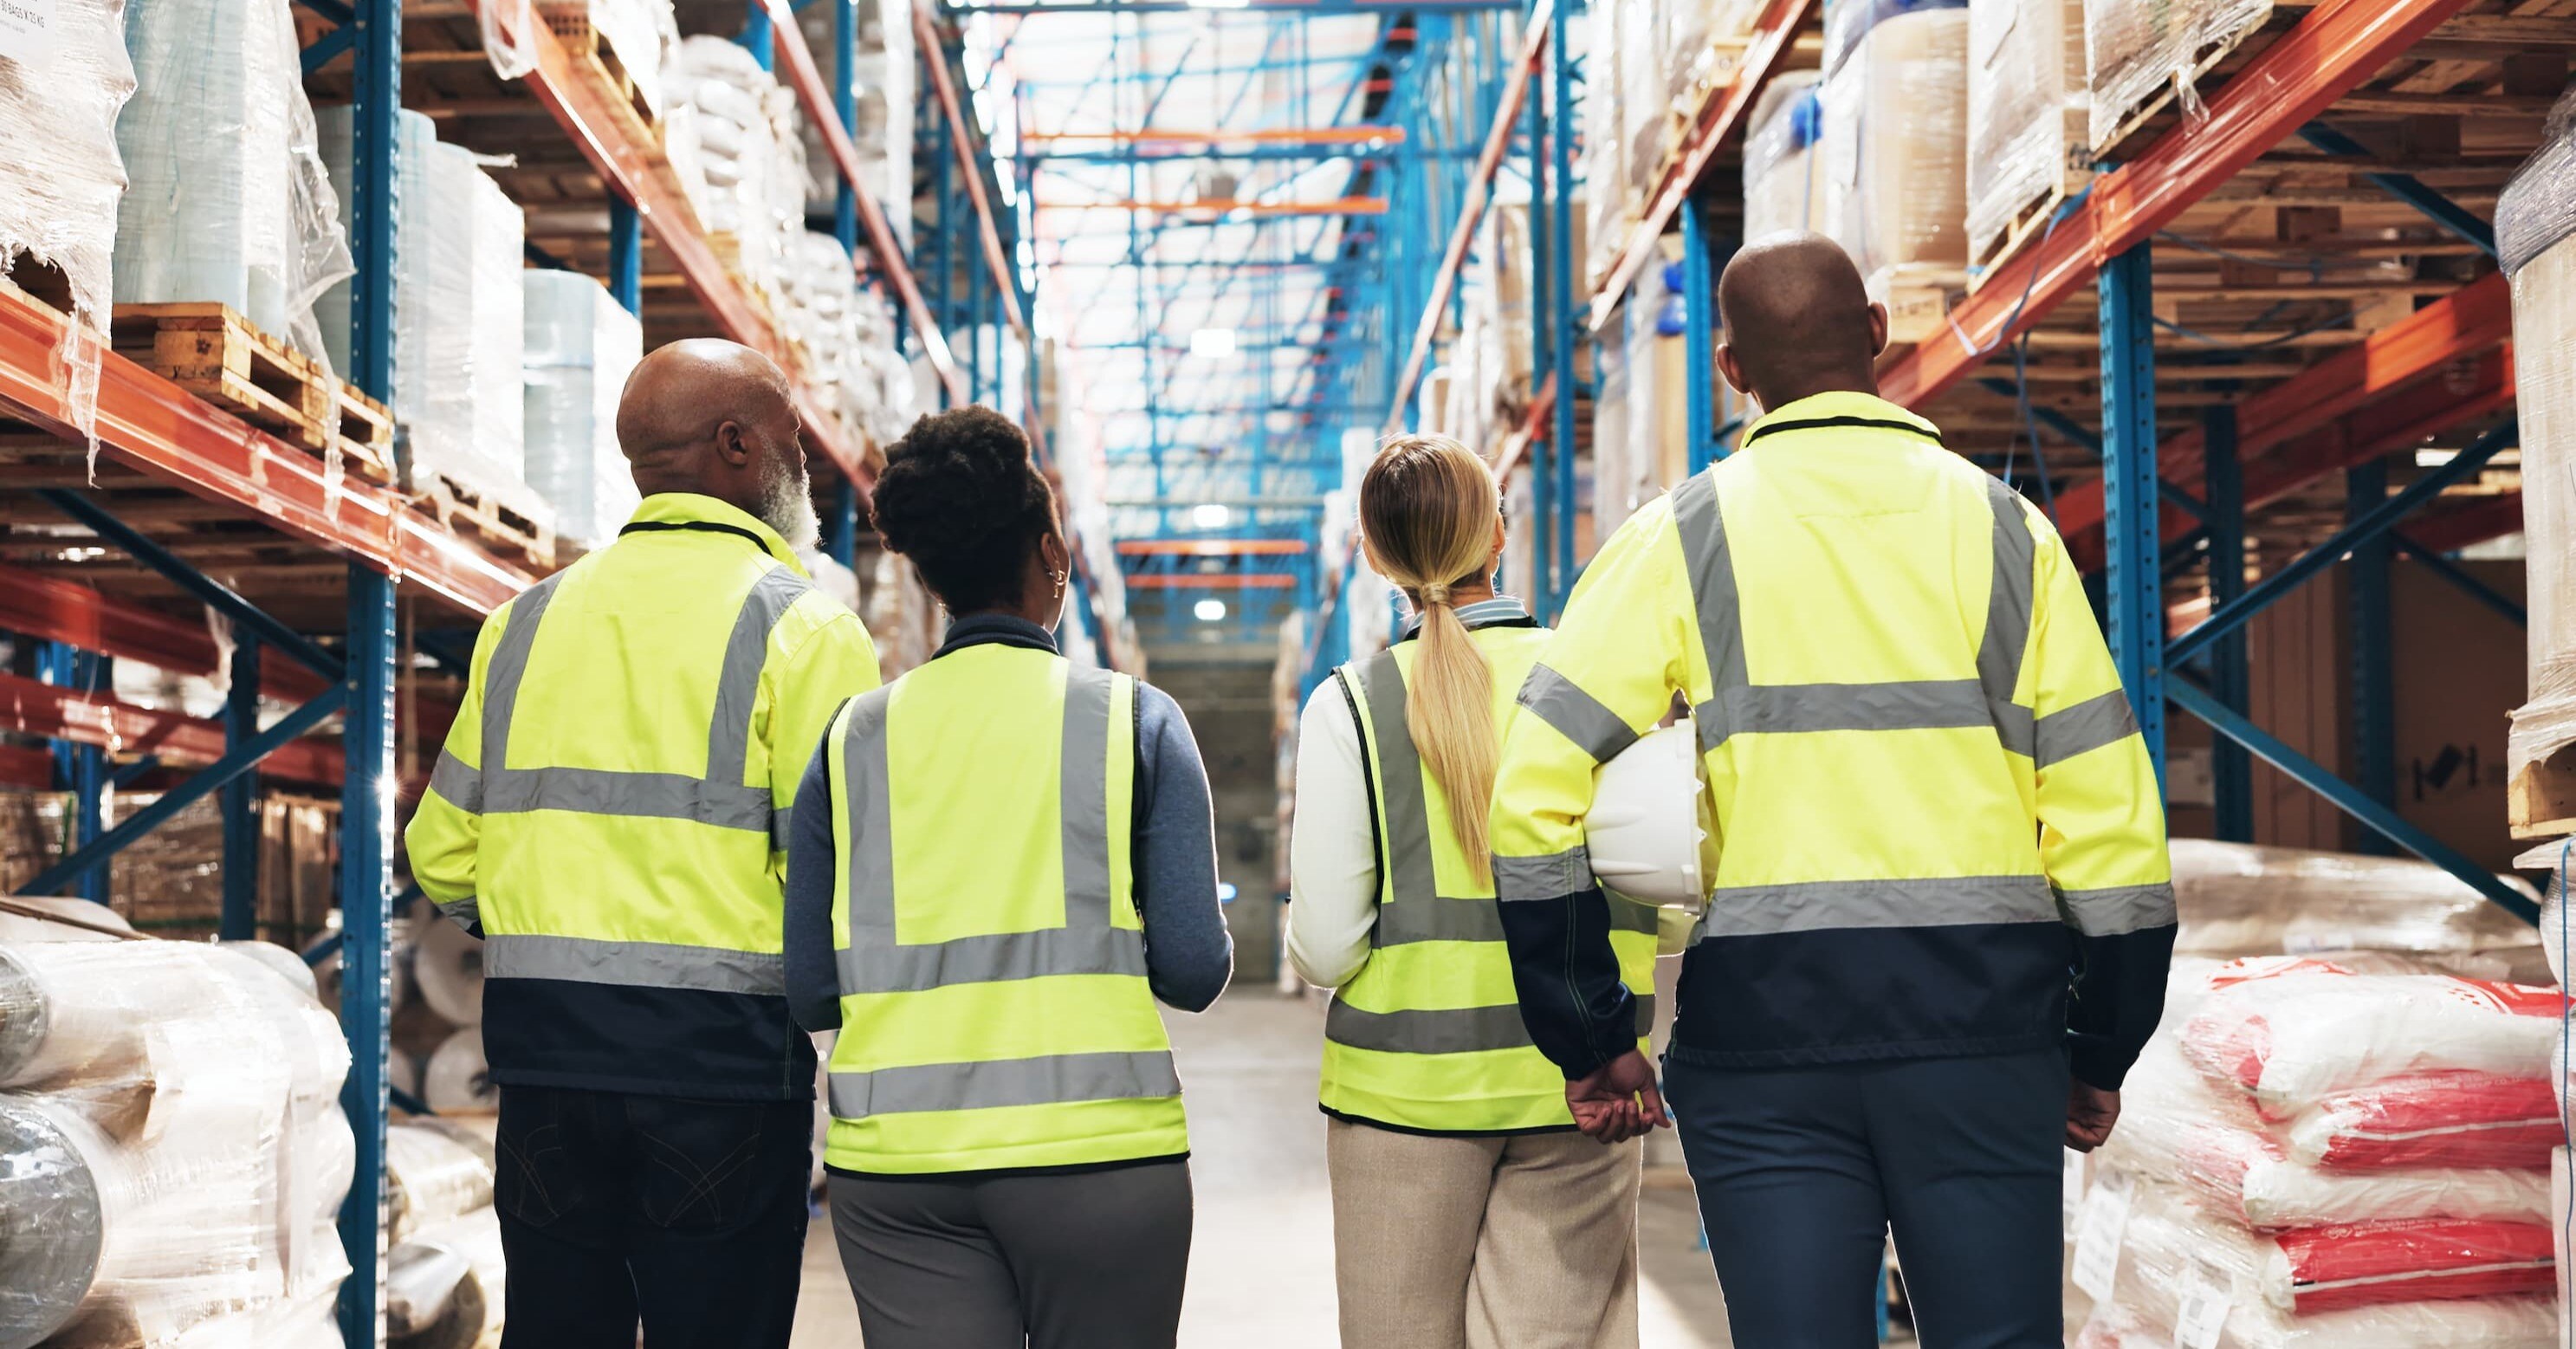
(1803, 1172)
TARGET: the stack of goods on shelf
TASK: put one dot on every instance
(2536, 236)
(444, 1280)
(178, 1153)
(2240, 899)
(1608, 207)
(882, 112)
(1894, 151)
(747, 172)
(880, 380)
(2346, 1150)
(169, 881)
(581, 345)
(447, 969)
(900, 614)
(818, 300)
(2136, 56)
(2029, 149)
(1783, 193)
(60, 177)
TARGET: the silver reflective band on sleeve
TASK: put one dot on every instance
(2106, 719)
(718, 798)
(781, 827)
(1910, 705)
(1551, 877)
(1447, 1030)
(2118, 910)
(634, 964)
(1765, 910)
(2008, 604)
(458, 785)
(1053, 1080)
(1627, 915)
(1577, 715)
(991, 958)
(465, 913)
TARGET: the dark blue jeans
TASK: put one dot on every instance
(1803, 1172)
(686, 1215)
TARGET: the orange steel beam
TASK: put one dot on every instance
(1218, 581)
(1719, 118)
(797, 60)
(88, 718)
(1337, 206)
(1310, 135)
(1211, 547)
(1480, 190)
(66, 611)
(2340, 44)
(961, 144)
(2486, 518)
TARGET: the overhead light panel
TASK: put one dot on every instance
(1215, 342)
(1211, 515)
(1210, 611)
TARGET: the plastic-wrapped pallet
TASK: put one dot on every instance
(2536, 235)
(739, 157)
(2028, 109)
(2133, 50)
(61, 175)
(1645, 111)
(1895, 139)
(476, 423)
(1608, 205)
(581, 345)
(414, 134)
(227, 198)
(1782, 193)
(447, 1287)
(2242, 899)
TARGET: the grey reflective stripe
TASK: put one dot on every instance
(1401, 922)
(460, 786)
(994, 1083)
(991, 958)
(2106, 719)
(465, 912)
(780, 830)
(2119, 909)
(1764, 910)
(1903, 705)
(633, 964)
(603, 791)
(1551, 877)
(1090, 942)
(717, 798)
(1627, 915)
(1577, 715)
(1448, 1030)
(1712, 580)
(2008, 604)
(1407, 837)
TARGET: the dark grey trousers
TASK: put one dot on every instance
(1085, 1260)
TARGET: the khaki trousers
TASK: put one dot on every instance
(1520, 1242)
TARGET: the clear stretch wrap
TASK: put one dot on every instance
(1781, 190)
(414, 135)
(2535, 220)
(1896, 137)
(492, 456)
(2241, 899)
(581, 345)
(61, 176)
(1644, 110)
(227, 199)
(178, 1152)
(458, 1080)
(2133, 49)
(2028, 108)
(437, 1173)
(1608, 203)
(634, 32)
(448, 1285)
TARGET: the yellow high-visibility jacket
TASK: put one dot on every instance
(1930, 794)
(610, 808)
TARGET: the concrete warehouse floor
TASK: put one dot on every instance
(1261, 1264)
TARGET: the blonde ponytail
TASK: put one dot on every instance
(1427, 511)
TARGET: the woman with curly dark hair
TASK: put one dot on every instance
(1000, 862)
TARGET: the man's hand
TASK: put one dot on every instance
(2090, 1113)
(1617, 1101)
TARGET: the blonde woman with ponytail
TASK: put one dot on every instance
(1468, 1211)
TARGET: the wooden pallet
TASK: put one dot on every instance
(2540, 802)
(1917, 296)
(29, 279)
(216, 354)
(362, 430)
(2075, 173)
(522, 529)
(2142, 119)
(596, 59)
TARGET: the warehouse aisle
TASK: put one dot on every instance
(1261, 1268)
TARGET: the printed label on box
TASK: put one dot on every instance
(2202, 1314)
(2097, 1237)
(27, 30)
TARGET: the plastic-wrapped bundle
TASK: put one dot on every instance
(581, 346)
(437, 1173)
(60, 175)
(1644, 111)
(2484, 1323)
(495, 233)
(227, 199)
(414, 134)
(2240, 899)
(1608, 204)
(2028, 108)
(458, 1079)
(1895, 139)
(2132, 50)
(2535, 220)
(738, 152)
(450, 1286)
(1781, 190)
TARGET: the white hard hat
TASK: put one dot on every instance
(1643, 832)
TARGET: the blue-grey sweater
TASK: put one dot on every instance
(1188, 953)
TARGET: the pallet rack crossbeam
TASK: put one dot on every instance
(2440, 564)
(221, 598)
(2439, 209)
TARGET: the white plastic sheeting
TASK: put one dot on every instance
(1781, 191)
(2131, 50)
(2028, 109)
(61, 175)
(1895, 139)
(2536, 233)
(581, 346)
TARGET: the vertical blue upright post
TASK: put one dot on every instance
(841, 530)
(845, 103)
(626, 255)
(238, 801)
(366, 803)
(940, 273)
(757, 36)
(1699, 339)
(2374, 694)
(2131, 528)
(1560, 209)
(1543, 334)
(80, 769)
(2231, 768)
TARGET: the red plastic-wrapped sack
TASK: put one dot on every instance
(2439, 1119)
(2315, 1269)
(2292, 1032)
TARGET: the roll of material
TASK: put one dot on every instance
(61, 1181)
(458, 1080)
(20, 927)
(287, 964)
(402, 1073)
(469, 1315)
(438, 1174)
(447, 965)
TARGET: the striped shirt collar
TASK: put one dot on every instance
(1497, 612)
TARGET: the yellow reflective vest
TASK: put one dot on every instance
(994, 1005)
(610, 805)
(1929, 791)
(1428, 1035)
